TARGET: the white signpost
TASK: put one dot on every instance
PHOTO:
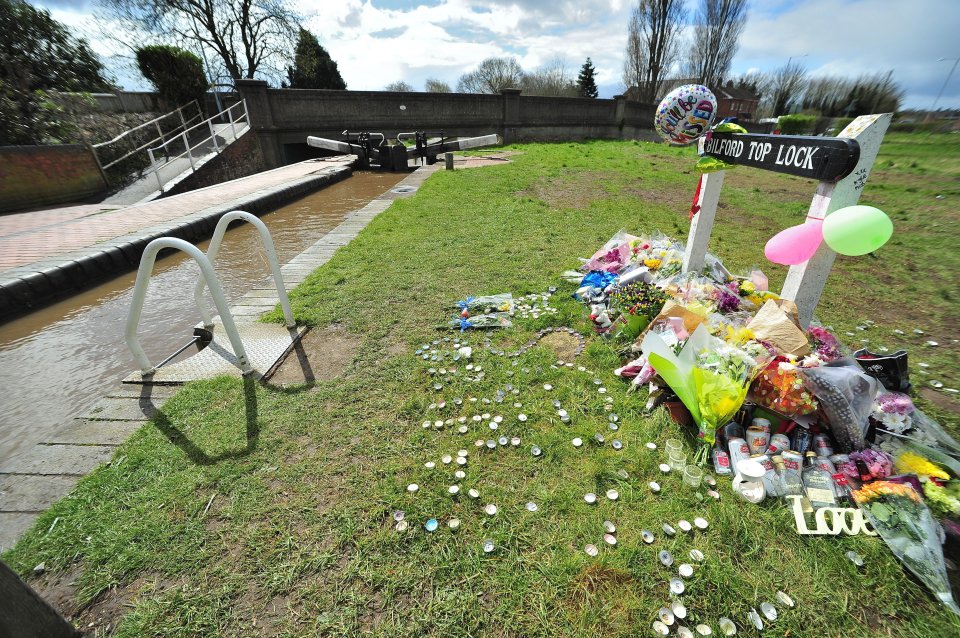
(804, 283)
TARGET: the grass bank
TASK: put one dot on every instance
(255, 510)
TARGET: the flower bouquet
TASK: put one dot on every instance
(780, 387)
(708, 375)
(899, 516)
(638, 303)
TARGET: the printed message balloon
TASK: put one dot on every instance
(857, 230)
(796, 244)
(685, 114)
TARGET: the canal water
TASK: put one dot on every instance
(56, 362)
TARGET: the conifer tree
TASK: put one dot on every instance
(586, 84)
(313, 68)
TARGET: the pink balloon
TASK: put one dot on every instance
(796, 244)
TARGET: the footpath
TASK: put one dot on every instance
(51, 254)
(31, 482)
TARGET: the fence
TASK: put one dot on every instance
(129, 140)
(234, 119)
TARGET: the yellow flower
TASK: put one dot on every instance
(652, 264)
(747, 287)
(738, 336)
(910, 463)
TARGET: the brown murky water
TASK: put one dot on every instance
(59, 360)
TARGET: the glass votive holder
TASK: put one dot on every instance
(673, 445)
(692, 475)
(678, 460)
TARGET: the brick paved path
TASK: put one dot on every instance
(30, 237)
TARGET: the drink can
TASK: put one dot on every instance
(739, 450)
(778, 443)
(801, 440)
(826, 464)
(757, 439)
(721, 460)
(792, 460)
(733, 430)
(843, 464)
(821, 445)
(770, 476)
(760, 422)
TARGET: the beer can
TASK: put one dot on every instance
(721, 460)
(792, 460)
(821, 445)
(739, 450)
(760, 422)
(801, 440)
(778, 443)
(770, 476)
(757, 438)
(843, 464)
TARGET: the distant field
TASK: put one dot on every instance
(298, 539)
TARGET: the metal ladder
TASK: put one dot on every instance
(208, 277)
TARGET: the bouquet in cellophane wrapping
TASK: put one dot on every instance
(903, 521)
(780, 387)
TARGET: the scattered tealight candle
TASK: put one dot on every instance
(413, 487)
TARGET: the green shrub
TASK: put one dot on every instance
(177, 75)
(797, 124)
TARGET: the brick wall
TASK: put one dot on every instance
(240, 159)
(35, 176)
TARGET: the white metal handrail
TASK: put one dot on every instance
(140, 292)
(268, 248)
(182, 136)
(160, 134)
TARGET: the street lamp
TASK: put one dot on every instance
(945, 82)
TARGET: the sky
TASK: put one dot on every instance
(376, 42)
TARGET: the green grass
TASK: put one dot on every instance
(298, 541)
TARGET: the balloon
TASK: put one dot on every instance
(796, 244)
(685, 114)
(857, 230)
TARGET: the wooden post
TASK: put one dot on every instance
(805, 282)
(702, 224)
(448, 159)
(24, 614)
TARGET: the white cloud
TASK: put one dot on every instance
(375, 43)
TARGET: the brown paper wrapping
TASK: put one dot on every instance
(672, 309)
(775, 323)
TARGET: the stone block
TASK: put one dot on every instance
(58, 459)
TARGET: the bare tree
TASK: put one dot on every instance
(434, 85)
(247, 37)
(399, 87)
(716, 39)
(652, 44)
(493, 75)
(553, 79)
(787, 85)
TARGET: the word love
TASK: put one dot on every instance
(820, 158)
(842, 520)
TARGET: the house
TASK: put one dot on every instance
(731, 100)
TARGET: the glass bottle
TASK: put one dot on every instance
(817, 483)
(844, 497)
(788, 481)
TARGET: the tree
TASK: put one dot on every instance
(436, 86)
(550, 80)
(38, 54)
(787, 85)
(177, 75)
(491, 76)
(586, 82)
(246, 36)
(652, 45)
(313, 68)
(716, 39)
(399, 87)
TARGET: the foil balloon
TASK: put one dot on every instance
(796, 244)
(857, 230)
(685, 113)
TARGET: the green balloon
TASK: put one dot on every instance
(856, 230)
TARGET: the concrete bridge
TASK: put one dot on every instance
(283, 118)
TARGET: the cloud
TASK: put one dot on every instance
(376, 42)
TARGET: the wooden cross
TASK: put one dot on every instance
(805, 282)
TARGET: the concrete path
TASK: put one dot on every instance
(147, 188)
(51, 254)
(31, 482)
